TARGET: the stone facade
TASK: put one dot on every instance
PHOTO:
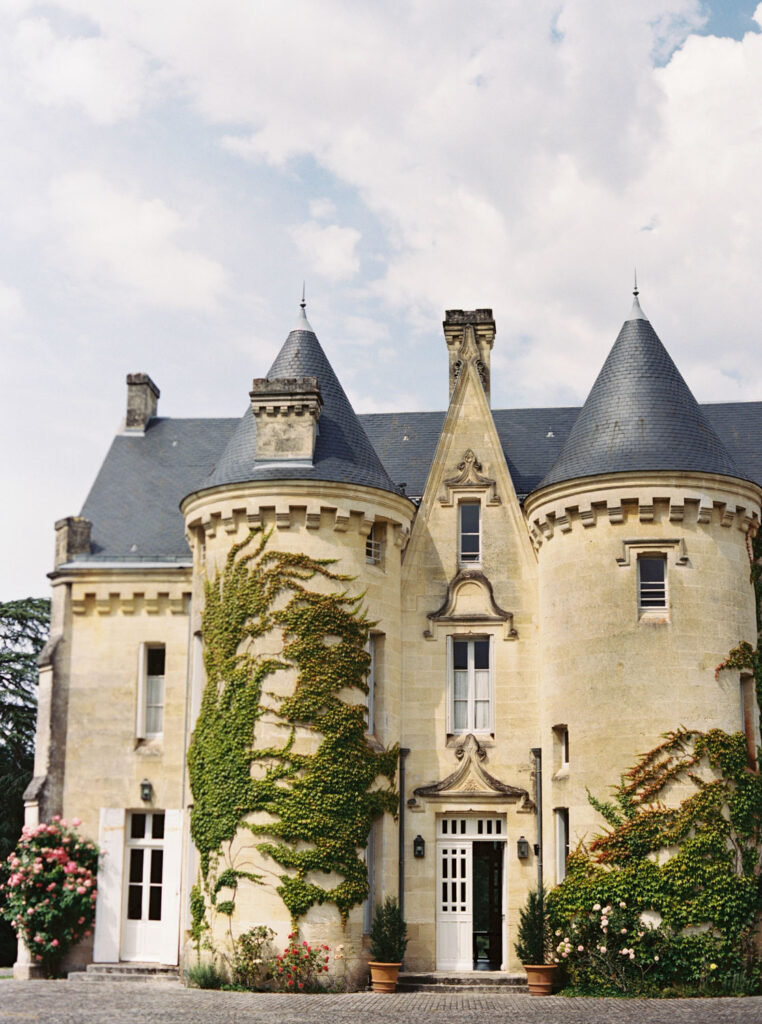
(504, 625)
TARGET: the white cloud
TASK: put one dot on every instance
(106, 77)
(122, 238)
(329, 250)
(11, 305)
(322, 209)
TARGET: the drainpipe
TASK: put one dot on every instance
(537, 754)
(404, 751)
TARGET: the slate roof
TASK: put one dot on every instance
(640, 415)
(342, 450)
(134, 503)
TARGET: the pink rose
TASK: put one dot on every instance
(76, 822)
(81, 890)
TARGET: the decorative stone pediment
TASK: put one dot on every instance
(470, 601)
(469, 478)
(471, 780)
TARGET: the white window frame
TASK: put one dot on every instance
(561, 815)
(470, 727)
(656, 556)
(141, 730)
(374, 546)
(469, 558)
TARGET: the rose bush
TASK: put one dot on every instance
(300, 966)
(49, 890)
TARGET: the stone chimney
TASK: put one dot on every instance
(72, 539)
(142, 401)
(470, 335)
(286, 410)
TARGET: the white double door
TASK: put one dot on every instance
(470, 893)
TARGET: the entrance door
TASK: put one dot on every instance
(143, 887)
(470, 919)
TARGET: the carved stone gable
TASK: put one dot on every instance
(469, 478)
(471, 779)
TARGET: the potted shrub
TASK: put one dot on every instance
(388, 939)
(534, 943)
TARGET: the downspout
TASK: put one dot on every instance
(404, 751)
(537, 754)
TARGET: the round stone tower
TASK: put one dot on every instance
(642, 529)
(300, 466)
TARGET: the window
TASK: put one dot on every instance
(652, 582)
(150, 719)
(560, 747)
(561, 815)
(470, 677)
(375, 650)
(370, 867)
(470, 550)
(748, 719)
(374, 545)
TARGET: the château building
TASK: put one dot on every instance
(548, 590)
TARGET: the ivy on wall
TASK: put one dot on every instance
(317, 786)
(697, 865)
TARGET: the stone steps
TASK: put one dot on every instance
(127, 972)
(461, 981)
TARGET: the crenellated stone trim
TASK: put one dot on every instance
(686, 509)
(126, 602)
(290, 516)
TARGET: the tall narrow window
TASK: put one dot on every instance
(370, 867)
(748, 723)
(652, 582)
(470, 547)
(560, 747)
(470, 705)
(561, 815)
(374, 545)
(373, 644)
(150, 711)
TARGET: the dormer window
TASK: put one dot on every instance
(469, 532)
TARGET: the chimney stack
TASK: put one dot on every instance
(142, 401)
(470, 334)
(286, 411)
(72, 538)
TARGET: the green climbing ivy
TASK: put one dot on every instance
(698, 865)
(321, 804)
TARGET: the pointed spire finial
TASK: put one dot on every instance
(636, 313)
(302, 323)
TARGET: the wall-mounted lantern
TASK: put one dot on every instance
(522, 848)
(146, 791)
(419, 846)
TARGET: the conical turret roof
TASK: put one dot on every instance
(640, 415)
(343, 452)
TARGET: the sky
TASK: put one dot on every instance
(171, 172)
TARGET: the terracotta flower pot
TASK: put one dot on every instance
(540, 978)
(383, 976)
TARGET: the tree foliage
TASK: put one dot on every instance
(23, 632)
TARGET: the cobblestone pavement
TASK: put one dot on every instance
(61, 1002)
